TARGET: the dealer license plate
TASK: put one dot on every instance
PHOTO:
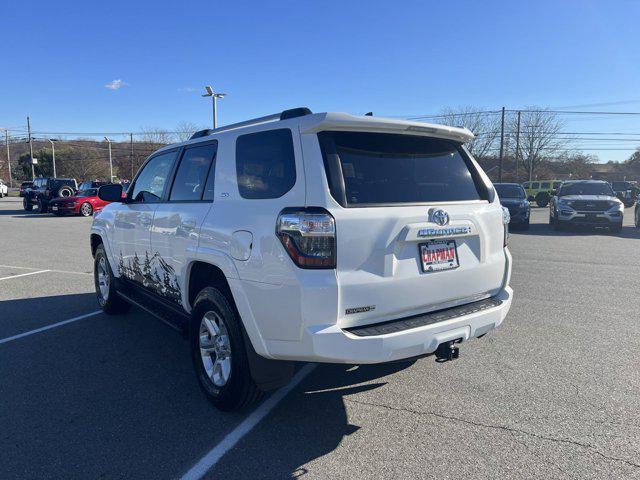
(438, 255)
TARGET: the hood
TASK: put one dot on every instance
(588, 197)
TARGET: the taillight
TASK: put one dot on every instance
(309, 236)
(506, 218)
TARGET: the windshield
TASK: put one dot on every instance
(384, 168)
(510, 191)
(585, 189)
(89, 192)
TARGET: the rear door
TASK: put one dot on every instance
(418, 228)
(177, 221)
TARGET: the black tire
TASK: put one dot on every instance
(240, 389)
(616, 229)
(113, 304)
(65, 191)
(542, 199)
(26, 204)
(637, 217)
(525, 225)
(86, 210)
(42, 207)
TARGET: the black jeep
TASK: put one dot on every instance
(46, 189)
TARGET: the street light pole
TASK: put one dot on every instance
(53, 153)
(214, 97)
(110, 161)
(33, 170)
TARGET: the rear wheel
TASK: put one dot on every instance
(86, 210)
(28, 206)
(42, 207)
(104, 281)
(219, 354)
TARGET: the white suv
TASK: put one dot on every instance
(307, 237)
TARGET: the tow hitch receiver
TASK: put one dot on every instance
(447, 351)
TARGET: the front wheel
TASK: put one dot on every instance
(104, 281)
(86, 210)
(219, 354)
(637, 217)
(26, 204)
(42, 207)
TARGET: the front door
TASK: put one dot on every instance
(176, 225)
(133, 220)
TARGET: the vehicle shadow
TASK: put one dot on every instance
(107, 386)
(309, 424)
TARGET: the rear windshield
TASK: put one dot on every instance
(509, 191)
(384, 169)
(585, 189)
(60, 183)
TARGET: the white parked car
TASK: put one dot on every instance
(4, 190)
(308, 237)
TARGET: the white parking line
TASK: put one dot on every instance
(24, 274)
(229, 441)
(50, 270)
(49, 327)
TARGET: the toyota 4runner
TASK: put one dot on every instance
(307, 237)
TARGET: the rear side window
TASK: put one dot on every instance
(265, 164)
(383, 168)
(191, 177)
(535, 185)
(545, 185)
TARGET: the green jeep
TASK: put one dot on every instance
(541, 191)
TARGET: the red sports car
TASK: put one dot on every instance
(84, 203)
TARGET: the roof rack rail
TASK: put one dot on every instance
(284, 115)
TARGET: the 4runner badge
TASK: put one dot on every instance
(368, 308)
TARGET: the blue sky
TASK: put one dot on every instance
(394, 58)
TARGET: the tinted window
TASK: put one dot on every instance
(510, 191)
(526, 185)
(191, 177)
(586, 188)
(535, 185)
(556, 185)
(265, 164)
(383, 168)
(152, 179)
(545, 185)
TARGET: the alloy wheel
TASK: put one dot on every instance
(215, 348)
(103, 279)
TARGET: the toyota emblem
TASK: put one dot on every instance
(440, 217)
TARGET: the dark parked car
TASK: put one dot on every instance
(586, 202)
(627, 192)
(46, 189)
(513, 197)
(24, 187)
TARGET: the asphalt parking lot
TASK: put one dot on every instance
(553, 393)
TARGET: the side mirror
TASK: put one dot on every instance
(110, 193)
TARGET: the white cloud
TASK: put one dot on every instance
(116, 84)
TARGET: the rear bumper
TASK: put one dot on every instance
(332, 344)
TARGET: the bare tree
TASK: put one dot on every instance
(484, 125)
(156, 136)
(184, 130)
(539, 136)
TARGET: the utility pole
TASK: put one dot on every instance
(33, 170)
(110, 161)
(53, 153)
(501, 147)
(517, 143)
(6, 141)
(131, 155)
